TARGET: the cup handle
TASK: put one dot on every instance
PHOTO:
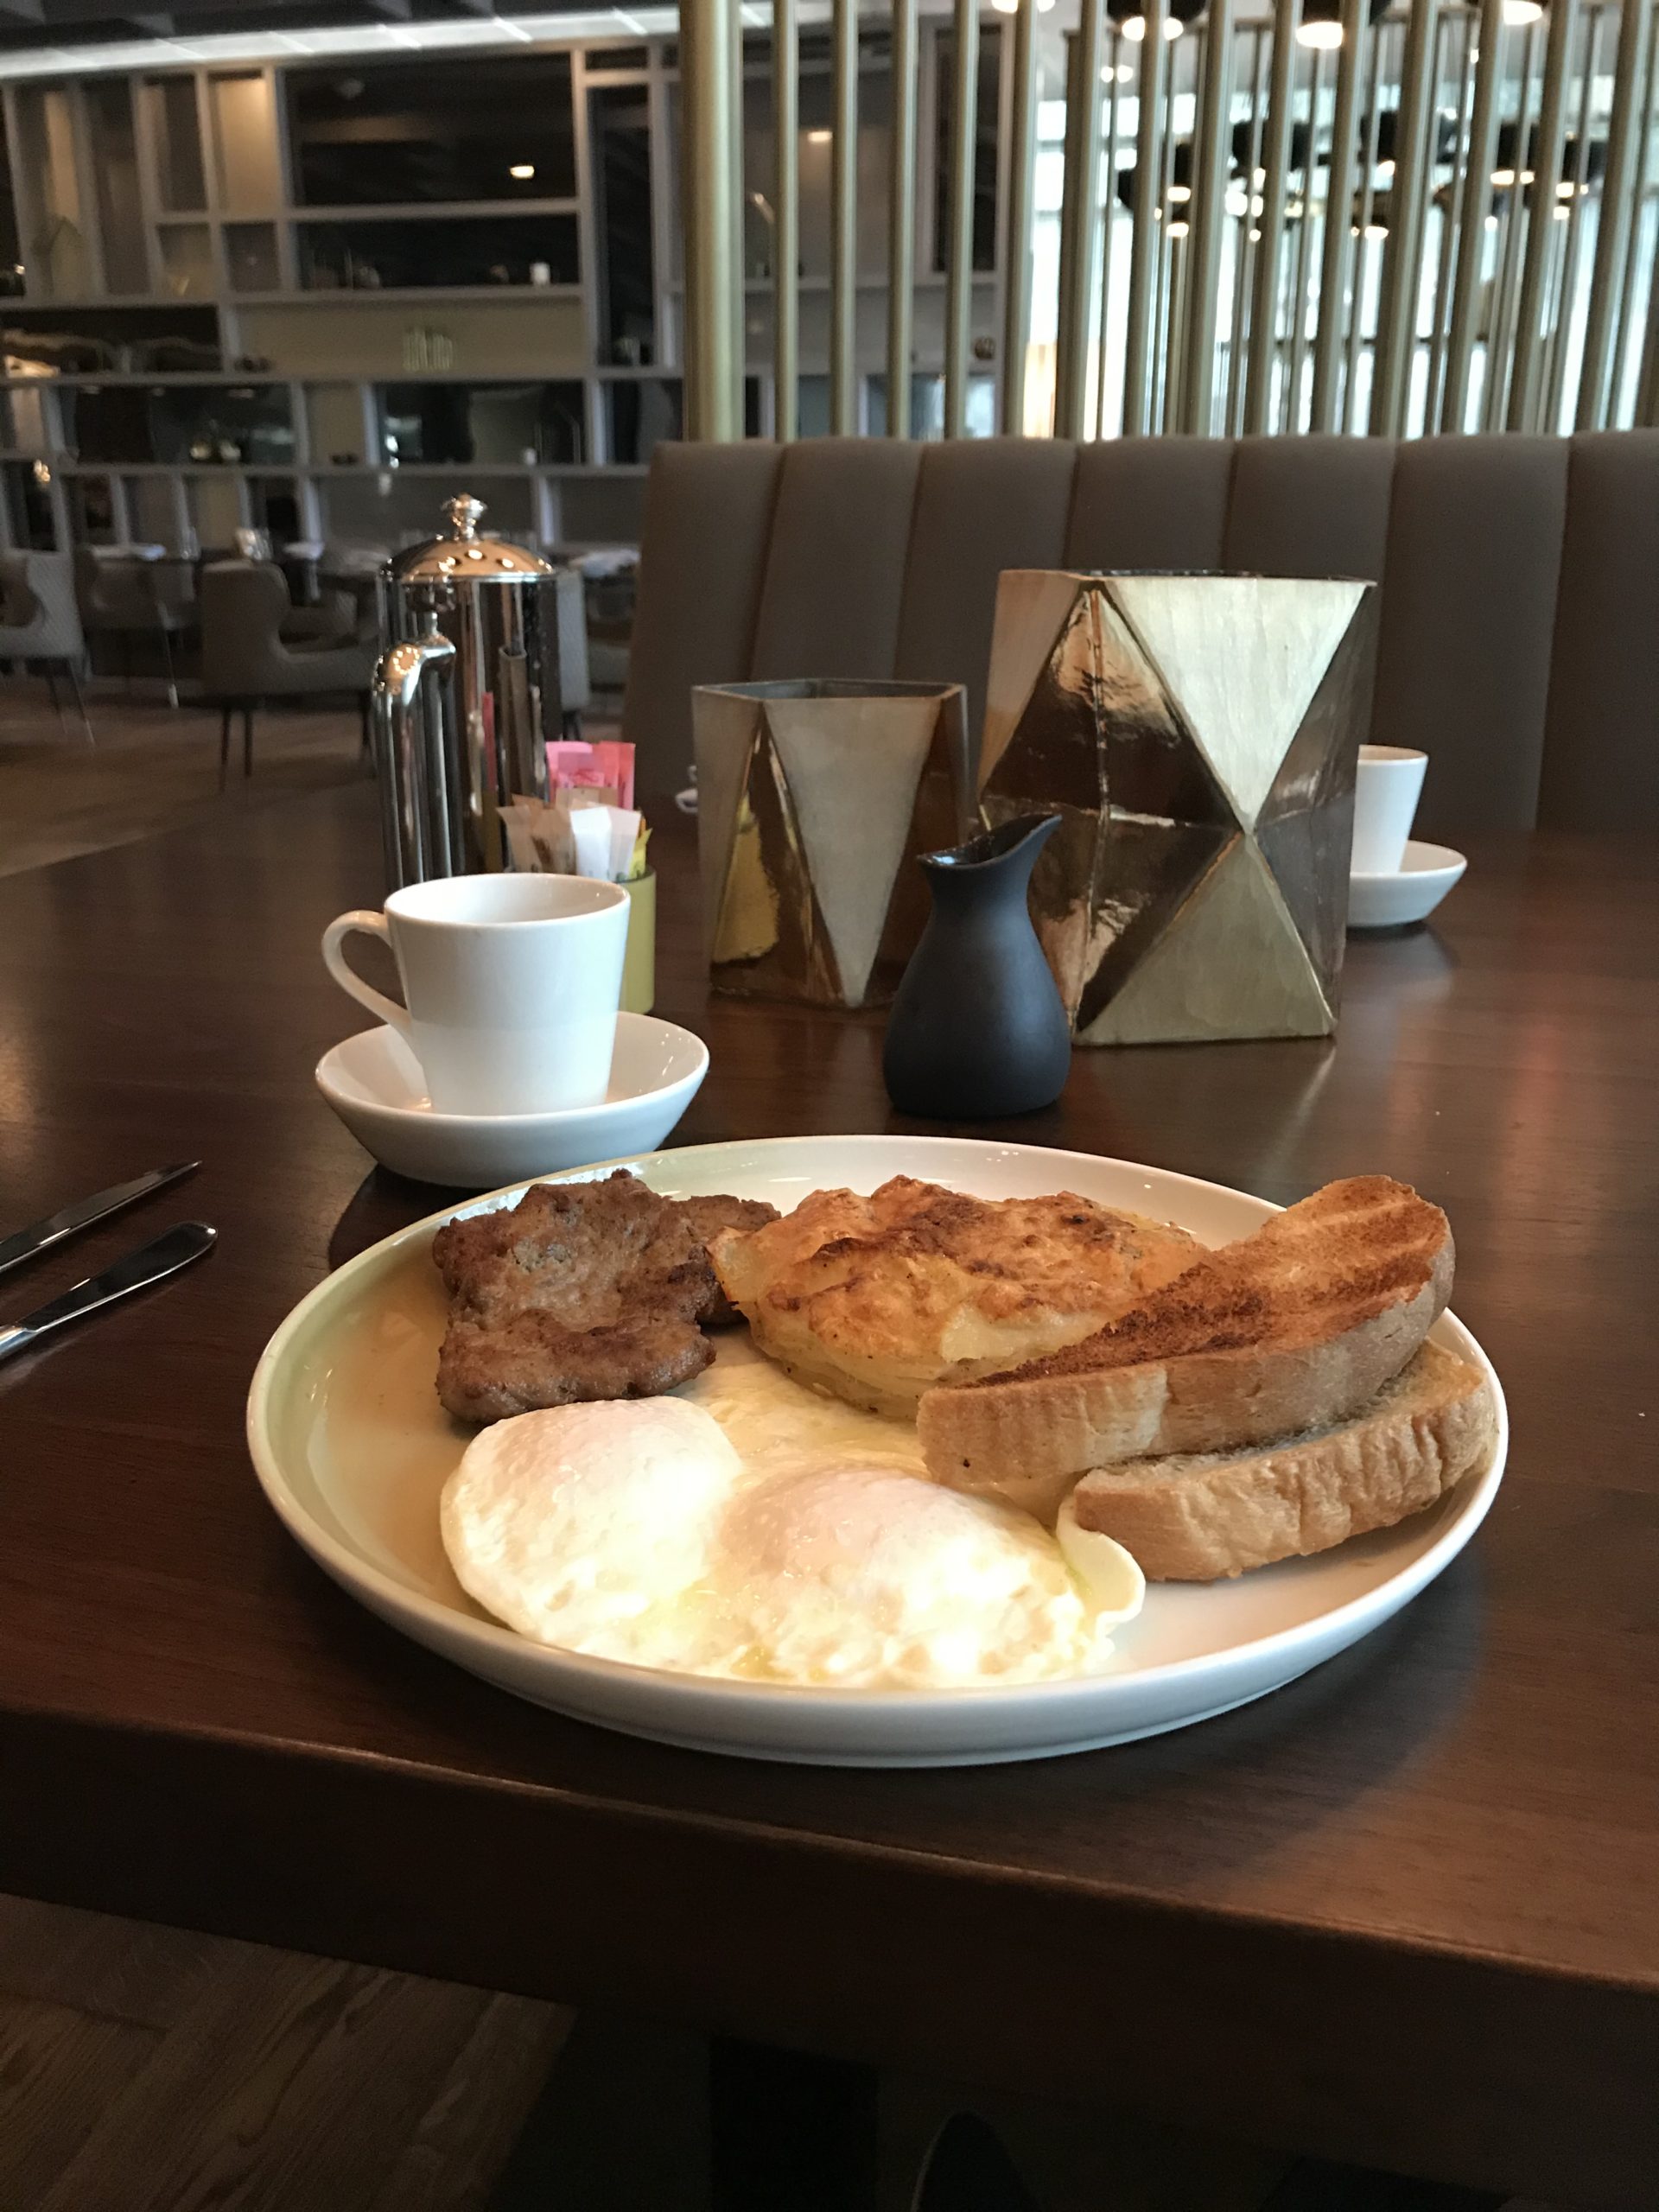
(333, 958)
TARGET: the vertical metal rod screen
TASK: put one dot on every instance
(1404, 217)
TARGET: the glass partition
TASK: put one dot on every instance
(522, 424)
(187, 260)
(56, 247)
(218, 425)
(619, 138)
(115, 171)
(251, 258)
(990, 55)
(435, 131)
(180, 176)
(244, 145)
(363, 255)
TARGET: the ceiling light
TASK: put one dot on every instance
(523, 170)
(1503, 177)
(1377, 230)
(1321, 32)
(1385, 169)
(1180, 192)
(818, 137)
(1523, 11)
(1178, 230)
(1006, 7)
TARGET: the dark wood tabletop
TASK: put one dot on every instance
(1406, 1910)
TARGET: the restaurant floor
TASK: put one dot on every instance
(150, 767)
(146, 2070)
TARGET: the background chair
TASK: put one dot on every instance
(125, 597)
(40, 622)
(1518, 575)
(245, 660)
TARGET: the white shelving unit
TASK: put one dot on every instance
(98, 166)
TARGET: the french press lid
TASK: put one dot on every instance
(459, 555)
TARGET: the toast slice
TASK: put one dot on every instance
(1291, 1328)
(1196, 1517)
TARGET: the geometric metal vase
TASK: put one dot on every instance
(1199, 736)
(813, 798)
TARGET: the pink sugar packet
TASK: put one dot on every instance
(572, 765)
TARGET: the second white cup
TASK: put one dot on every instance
(1390, 785)
(511, 986)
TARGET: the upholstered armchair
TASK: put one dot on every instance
(246, 661)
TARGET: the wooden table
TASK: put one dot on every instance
(1405, 1911)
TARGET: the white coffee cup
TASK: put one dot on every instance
(1390, 785)
(511, 985)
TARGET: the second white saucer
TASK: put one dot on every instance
(374, 1083)
(1411, 894)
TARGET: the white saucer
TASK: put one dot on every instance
(374, 1083)
(1384, 902)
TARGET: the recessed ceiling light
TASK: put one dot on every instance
(1321, 32)
(818, 137)
(523, 170)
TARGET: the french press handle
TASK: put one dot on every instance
(413, 711)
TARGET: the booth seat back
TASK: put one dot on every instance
(1518, 644)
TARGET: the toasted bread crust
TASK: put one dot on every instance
(1289, 1329)
(876, 1298)
(1197, 1518)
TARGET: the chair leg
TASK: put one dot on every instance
(167, 661)
(73, 675)
(247, 740)
(224, 744)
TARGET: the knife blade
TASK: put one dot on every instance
(41, 1236)
(163, 1255)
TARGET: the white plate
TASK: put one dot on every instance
(353, 1449)
(374, 1083)
(1425, 876)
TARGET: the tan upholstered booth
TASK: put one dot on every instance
(1519, 639)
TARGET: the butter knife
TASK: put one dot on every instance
(163, 1255)
(41, 1236)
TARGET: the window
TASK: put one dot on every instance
(434, 132)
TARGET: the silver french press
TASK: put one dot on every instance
(465, 697)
